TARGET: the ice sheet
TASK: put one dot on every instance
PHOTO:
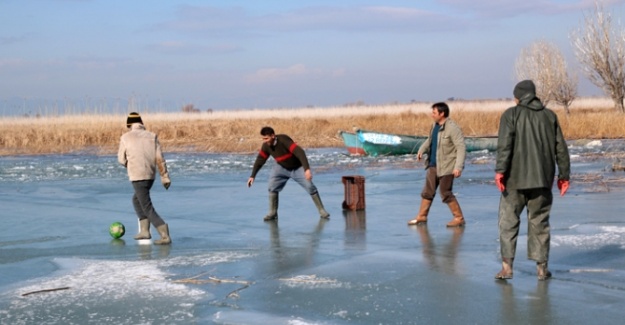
(365, 267)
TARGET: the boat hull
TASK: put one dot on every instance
(384, 144)
(372, 143)
(353, 145)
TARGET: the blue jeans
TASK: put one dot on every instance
(143, 203)
(280, 175)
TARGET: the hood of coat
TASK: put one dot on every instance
(137, 126)
(525, 92)
(532, 103)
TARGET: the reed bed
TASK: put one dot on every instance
(238, 131)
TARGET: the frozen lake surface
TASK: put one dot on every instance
(227, 266)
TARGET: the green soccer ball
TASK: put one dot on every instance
(117, 230)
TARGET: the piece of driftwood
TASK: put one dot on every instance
(44, 290)
(618, 166)
(234, 294)
(211, 279)
(192, 279)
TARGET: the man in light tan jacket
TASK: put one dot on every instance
(140, 152)
(446, 152)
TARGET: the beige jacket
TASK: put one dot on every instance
(451, 149)
(140, 152)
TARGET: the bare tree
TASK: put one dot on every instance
(543, 63)
(565, 90)
(600, 49)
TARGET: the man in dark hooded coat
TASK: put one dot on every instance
(530, 146)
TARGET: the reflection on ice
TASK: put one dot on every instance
(534, 308)
(440, 258)
(355, 229)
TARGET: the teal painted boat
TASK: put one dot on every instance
(353, 145)
(384, 144)
(488, 143)
(371, 143)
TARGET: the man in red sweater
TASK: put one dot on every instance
(291, 162)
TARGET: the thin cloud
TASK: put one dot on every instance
(214, 20)
(510, 8)
(208, 19)
(450, 15)
(349, 19)
(74, 67)
(289, 73)
(11, 63)
(8, 40)
(68, 64)
(177, 47)
(98, 63)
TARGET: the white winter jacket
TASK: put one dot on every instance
(140, 152)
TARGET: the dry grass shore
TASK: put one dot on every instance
(238, 131)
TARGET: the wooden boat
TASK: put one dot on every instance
(371, 143)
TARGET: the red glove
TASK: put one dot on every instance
(563, 186)
(499, 182)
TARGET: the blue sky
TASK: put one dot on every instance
(269, 54)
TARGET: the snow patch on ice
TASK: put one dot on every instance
(102, 292)
(594, 143)
(590, 270)
(613, 229)
(591, 237)
(206, 259)
(91, 279)
(253, 318)
(313, 282)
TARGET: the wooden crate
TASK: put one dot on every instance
(354, 192)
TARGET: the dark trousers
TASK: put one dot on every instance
(538, 202)
(444, 183)
(143, 203)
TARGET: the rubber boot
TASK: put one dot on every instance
(458, 220)
(163, 230)
(273, 207)
(422, 216)
(542, 271)
(144, 230)
(322, 211)
(506, 269)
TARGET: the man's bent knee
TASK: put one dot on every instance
(427, 196)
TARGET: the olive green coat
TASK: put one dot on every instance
(530, 146)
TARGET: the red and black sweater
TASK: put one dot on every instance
(286, 153)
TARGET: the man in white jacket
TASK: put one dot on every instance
(140, 152)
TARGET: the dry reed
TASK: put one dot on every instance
(238, 131)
